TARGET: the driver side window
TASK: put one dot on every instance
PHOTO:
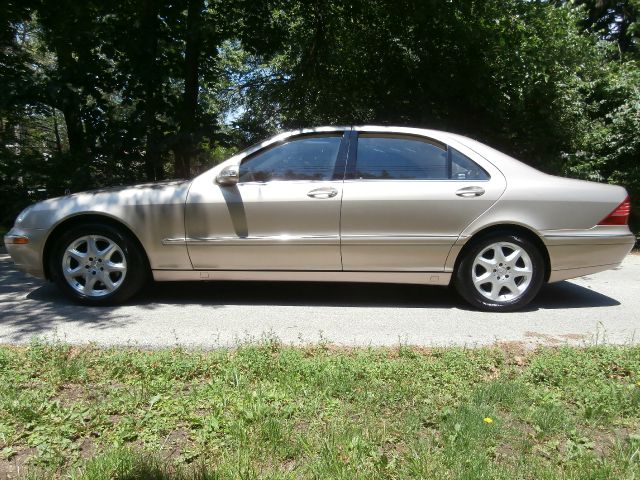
(306, 158)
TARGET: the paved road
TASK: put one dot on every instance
(603, 307)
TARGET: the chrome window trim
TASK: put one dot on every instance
(289, 182)
(413, 180)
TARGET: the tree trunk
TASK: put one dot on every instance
(185, 145)
(56, 131)
(75, 131)
(69, 103)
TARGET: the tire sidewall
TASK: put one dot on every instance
(466, 288)
(136, 269)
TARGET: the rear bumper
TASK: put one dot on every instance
(27, 257)
(578, 254)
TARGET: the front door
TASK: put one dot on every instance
(284, 213)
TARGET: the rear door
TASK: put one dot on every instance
(406, 200)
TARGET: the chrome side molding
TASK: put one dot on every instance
(265, 240)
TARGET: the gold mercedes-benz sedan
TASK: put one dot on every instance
(354, 204)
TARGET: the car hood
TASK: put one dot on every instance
(139, 192)
(149, 186)
(111, 201)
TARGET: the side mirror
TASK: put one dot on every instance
(228, 176)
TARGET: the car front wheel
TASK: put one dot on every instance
(500, 273)
(97, 264)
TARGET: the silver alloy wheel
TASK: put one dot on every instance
(94, 265)
(502, 271)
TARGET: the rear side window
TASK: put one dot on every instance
(306, 158)
(381, 157)
(397, 158)
(463, 168)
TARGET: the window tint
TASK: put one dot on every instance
(463, 168)
(308, 158)
(400, 158)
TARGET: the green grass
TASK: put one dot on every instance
(271, 411)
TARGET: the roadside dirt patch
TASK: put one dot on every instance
(70, 393)
(514, 349)
(88, 448)
(175, 443)
(574, 336)
(16, 465)
(550, 339)
(605, 442)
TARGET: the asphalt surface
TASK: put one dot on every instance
(603, 308)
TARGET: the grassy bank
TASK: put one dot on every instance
(278, 412)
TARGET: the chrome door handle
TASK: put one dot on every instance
(470, 192)
(323, 192)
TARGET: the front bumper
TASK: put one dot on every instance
(25, 248)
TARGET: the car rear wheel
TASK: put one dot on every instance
(500, 273)
(97, 264)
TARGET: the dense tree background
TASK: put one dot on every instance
(95, 93)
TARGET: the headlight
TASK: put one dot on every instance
(23, 214)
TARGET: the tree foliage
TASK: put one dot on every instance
(98, 93)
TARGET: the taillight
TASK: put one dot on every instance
(620, 216)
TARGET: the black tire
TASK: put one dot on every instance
(463, 278)
(137, 272)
